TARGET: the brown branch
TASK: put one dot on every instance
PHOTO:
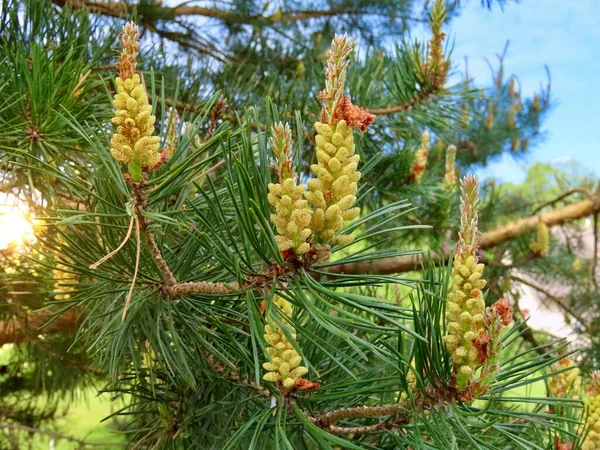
(171, 287)
(418, 98)
(332, 417)
(399, 413)
(595, 257)
(562, 196)
(555, 299)
(120, 10)
(488, 239)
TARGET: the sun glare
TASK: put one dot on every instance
(16, 228)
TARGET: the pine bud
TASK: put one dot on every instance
(172, 122)
(332, 96)
(536, 103)
(511, 122)
(130, 38)
(437, 66)
(489, 120)
(515, 143)
(292, 216)
(465, 116)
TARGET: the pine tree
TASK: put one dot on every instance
(245, 225)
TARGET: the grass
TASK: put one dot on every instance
(83, 421)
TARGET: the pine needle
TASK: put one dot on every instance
(137, 266)
(116, 250)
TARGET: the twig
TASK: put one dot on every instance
(332, 417)
(399, 412)
(562, 196)
(171, 287)
(215, 114)
(555, 299)
(21, 329)
(418, 98)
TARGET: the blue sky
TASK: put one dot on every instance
(563, 34)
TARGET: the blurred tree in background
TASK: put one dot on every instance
(166, 281)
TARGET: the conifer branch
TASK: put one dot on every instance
(337, 415)
(418, 98)
(400, 413)
(120, 9)
(171, 287)
(487, 240)
(555, 299)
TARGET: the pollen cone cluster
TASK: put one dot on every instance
(292, 216)
(464, 316)
(285, 361)
(567, 383)
(592, 440)
(465, 304)
(332, 192)
(133, 143)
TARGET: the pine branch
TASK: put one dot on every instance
(171, 287)
(562, 196)
(120, 10)
(420, 97)
(555, 299)
(400, 412)
(488, 239)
